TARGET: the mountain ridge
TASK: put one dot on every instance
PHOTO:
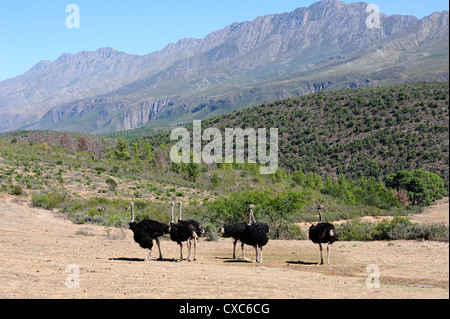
(286, 53)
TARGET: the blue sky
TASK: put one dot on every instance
(32, 31)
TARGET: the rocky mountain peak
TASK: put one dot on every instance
(323, 46)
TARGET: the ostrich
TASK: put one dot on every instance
(180, 232)
(146, 231)
(251, 234)
(198, 231)
(235, 231)
(323, 233)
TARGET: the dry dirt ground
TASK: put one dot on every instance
(37, 248)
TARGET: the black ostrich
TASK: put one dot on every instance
(251, 234)
(181, 232)
(197, 228)
(235, 231)
(146, 231)
(323, 233)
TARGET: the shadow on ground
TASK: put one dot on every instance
(299, 262)
(141, 259)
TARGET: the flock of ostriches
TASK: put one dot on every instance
(252, 233)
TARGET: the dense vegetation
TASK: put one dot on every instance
(422, 187)
(369, 132)
(364, 132)
(362, 152)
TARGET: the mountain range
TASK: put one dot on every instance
(325, 46)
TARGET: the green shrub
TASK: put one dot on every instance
(79, 218)
(397, 229)
(112, 184)
(92, 212)
(48, 201)
(211, 231)
(16, 190)
(291, 232)
(355, 231)
(391, 230)
(117, 220)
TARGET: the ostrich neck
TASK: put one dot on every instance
(179, 217)
(132, 213)
(171, 215)
(320, 214)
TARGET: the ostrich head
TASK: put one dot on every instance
(224, 231)
(319, 208)
(251, 206)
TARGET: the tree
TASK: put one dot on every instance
(417, 192)
(136, 153)
(176, 167)
(433, 182)
(67, 141)
(279, 176)
(84, 143)
(299, 177)
(121, 151)
(112, 184)
(313, 180)
(279, 210)
(215, 180)
(159, 159)
(423, 187)
(149, 154)
(193, 171)
(398, 180)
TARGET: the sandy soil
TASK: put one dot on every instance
(438, 213)
(37, 246)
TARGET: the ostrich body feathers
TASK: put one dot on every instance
(254, 235)
(148, 230)
(323, 233)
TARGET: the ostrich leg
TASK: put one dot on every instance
(234, 249)
(159, 247)
(260, 256)
(321, 254)
(181, 251)
(189, 244)
(257, 257)
(328, 254)
(195, 249)
(243, 252)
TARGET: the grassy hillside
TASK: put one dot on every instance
(358, 132)
(370, 132)
(335, 147)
